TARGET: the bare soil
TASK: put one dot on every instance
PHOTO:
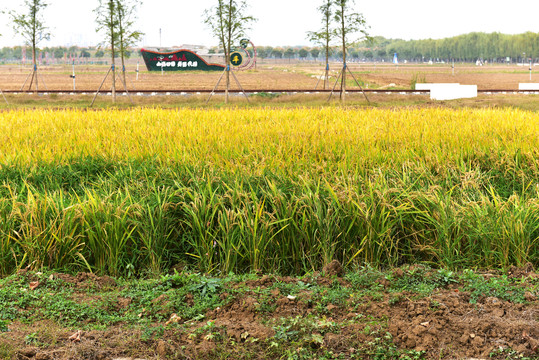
(495, 79)
(89, 78)
(490, 77)
(445, 324)
(270, 76)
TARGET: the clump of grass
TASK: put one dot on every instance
(267, 95)
(417, 78)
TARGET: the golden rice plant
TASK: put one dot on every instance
(284, 190)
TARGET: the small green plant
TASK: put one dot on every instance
(501, 287)
(267, 95)
(412, 355)
(417, 78)
(130, 271)
(335, 295)
(266, 304)
(303, 330)
(175, 280)
(446, 277)
(150, 333)
(395, 299)
(507, 354)
(4, 325)
(32, 339)
(367, 330)
(365, 278)
(434, 305)
(206, 286)
(383, 348)
(209, 331)
(419, 279)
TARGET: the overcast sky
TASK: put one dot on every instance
(285, 22)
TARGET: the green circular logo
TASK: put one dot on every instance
(236, 59)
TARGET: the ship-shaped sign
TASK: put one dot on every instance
(176, 60)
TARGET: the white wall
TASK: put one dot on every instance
(449, 91)
(528, 86)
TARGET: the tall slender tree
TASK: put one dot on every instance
(325, 35)
(228, 22)
(351, 28)
(31, 27)
(127, 36)
(107, 23)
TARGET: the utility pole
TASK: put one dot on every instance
(73, 76)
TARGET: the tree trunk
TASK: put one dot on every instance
(35, 60)
(112, 45)
(34, 43)
(122, 49)
(227, 51)
(227, 83)
(34, 63)
(326, 75)
(343, 79)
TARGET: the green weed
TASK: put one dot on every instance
(500, 287)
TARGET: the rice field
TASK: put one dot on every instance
(272, 190)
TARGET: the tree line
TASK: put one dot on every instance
(494, 47)
(15, 53)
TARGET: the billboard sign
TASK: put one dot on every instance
(179, 60)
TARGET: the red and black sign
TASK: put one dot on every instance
(180, 60)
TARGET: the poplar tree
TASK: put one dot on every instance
(115, 20)
(350, 28)
(127, 36)
(107, 23)
(228, 22)
(32, 28)
(325, 35)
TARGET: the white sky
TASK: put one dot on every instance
(285, 22)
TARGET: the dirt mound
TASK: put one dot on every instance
(447, 323)
(524, 271)
(334, 268)
(85, 280)
(444, 325)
